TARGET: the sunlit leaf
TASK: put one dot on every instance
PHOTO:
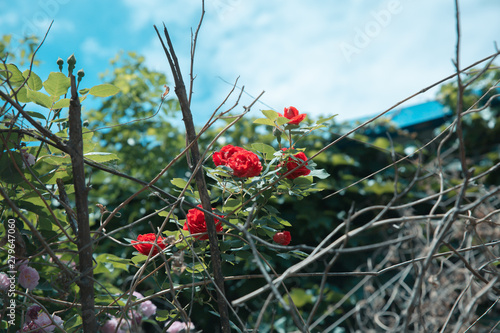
(57, 84)
(282, 121)
(270, 114)
(264, 121)
(104, 90)
(34, 81)
(12, 74)
(101, 157)
(179, 182)
(39, 98)
(62, 103)
(263, 148)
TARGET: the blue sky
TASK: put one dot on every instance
(352, 58)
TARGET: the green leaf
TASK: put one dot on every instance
(282, 121)
(117, 262)
(11, 73)
(270, 114)
(8, 171)
(104, 90)
(319, 173)
(303, 181)
(34, 81)
(36, 114)
(231, 205)
(179, 182)
(382, 143)
(57, 84)
(139, 258)
(56, 160)
(299, 297)
(101, 157)
(323, 120)
(22, 95)
(264, 121)
(83, 91)
(62, 103)
(39, 98)
(263, 148)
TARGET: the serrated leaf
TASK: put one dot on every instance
(56, 160)
(11, 73)
(101, 157)
(57, 84)
(104, 90)
(62, 103)
(263, 148)
(282, 121)
(264, 121)
(179, 182)
(270, 114)
(39, 98)
(34, 81)
(231, 204)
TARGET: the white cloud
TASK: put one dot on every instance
(291, 49)
(93, 51)
(148, 12)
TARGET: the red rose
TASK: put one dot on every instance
(292, 164)
(195, 223)
(221, 157)
(282, 238)
(146, 247)
(243, 162)
(293, 114)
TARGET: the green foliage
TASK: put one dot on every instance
(133, 135)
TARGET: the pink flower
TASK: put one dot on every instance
(112, 324)
(293, 114)
(178, 326)
(28, 278)
(282, 238)
(146, 308)
(43, 323)
(4, 281)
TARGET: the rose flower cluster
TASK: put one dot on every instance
(244, 164)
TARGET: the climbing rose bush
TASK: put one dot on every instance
(195, 223)
(146, 247)
(244, 163)
(282, 238)
(292, 164)
(293, 114)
